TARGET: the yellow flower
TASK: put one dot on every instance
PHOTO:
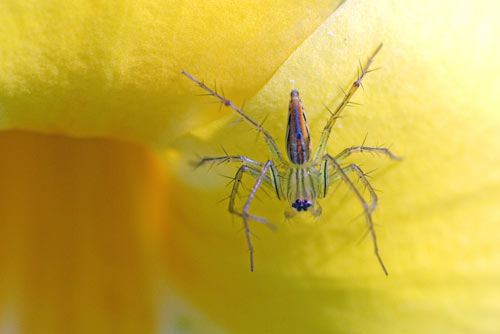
(103, 235)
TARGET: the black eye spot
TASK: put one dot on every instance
(301, 205)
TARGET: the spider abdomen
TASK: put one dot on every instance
(298, 140)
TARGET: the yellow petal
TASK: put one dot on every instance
(435, 100)
(113, 68)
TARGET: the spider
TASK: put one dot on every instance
(306, 176)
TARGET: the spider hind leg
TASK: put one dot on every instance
(367, 209)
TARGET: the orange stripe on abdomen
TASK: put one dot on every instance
(298, 140)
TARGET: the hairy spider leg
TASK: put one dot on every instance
(353, 167)
(244, 213)
(259, 171)
(252, 167)
(273, 148)
(229, 158)
(321, 150)
(371, 190)
(367, 209)
(355, 149)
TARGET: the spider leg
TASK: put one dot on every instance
(273, 148)
(321, 150)
(355, 168)
(327, 176)
(252, 167)
(354, 149)
(228, 158)
(244, 214)
(366, 208)
(234, 193)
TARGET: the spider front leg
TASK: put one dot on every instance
(273, 148)
(367, 209)
(244, 214)
(334, 115)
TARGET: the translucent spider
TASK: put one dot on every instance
(305, 177)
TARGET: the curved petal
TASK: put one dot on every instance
(113, 68)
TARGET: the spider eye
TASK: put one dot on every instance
(300, 205)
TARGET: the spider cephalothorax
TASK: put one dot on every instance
(304, 177)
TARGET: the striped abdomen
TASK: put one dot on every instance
(298, 140)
